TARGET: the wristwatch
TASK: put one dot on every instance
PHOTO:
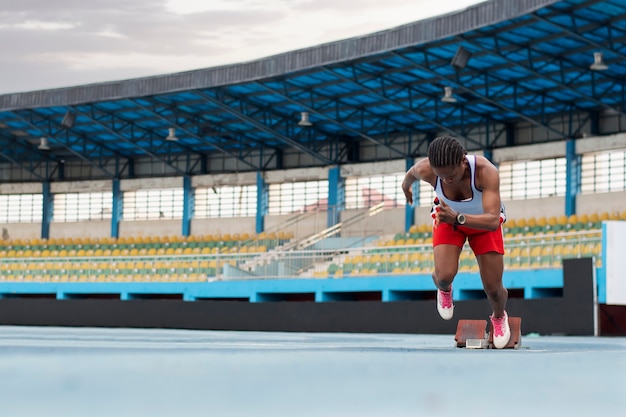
(460, 219)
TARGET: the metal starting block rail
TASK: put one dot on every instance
(473, 334)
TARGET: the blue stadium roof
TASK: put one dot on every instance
(506, 62)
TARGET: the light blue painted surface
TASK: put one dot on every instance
(392, 287)
(601, 272)
(78, 372)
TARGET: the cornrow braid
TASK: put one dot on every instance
(445, 151)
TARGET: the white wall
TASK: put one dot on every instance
(615, 262)
(309, 224)
(535, 207)
(230, 226)
(149, 228)
(22, 231)
(390, 221)
(599, 203)
(94, 229)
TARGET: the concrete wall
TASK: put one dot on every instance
(231, 226)
(598, 203)
(535, 207)
(150, 228)
(23, 230)
(93, 229)
(390, 221)
(301, 225)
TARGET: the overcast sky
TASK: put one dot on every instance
(60, 43)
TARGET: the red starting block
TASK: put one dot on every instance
(472, 334)
(472, 331)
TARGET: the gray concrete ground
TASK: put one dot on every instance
(146, 372)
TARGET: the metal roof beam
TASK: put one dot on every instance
(202, 139)
(99, 146)
(264, 128)
(53, 135)
(334, 120)
(495, 103)
(409, 109)
(31, 170)
(28, 150)
(552, 80)
(122, 138)
(576, 35)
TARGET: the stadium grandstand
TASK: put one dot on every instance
(277, 181)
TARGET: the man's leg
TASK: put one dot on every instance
(491, 266)
(446, 265)
(447, 245)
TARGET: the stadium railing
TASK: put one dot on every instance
(531, 251)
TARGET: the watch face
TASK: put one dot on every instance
(460, 219)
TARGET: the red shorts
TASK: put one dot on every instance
(481, 241)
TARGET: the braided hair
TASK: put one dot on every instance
(445, 151)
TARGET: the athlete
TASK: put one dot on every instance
(467, 207)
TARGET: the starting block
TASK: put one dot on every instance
(473, 334)
(470, 333)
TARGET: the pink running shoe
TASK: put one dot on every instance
(501, 331)
(445, 307)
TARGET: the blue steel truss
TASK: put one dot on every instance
(525, 61)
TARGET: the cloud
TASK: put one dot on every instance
(68, 42)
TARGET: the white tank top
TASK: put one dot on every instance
(472, 205)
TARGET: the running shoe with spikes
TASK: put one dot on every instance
(501, 330)
(445, 306)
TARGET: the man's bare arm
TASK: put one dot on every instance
(489, 181)
(420, 171)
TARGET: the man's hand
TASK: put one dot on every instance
(445, 214)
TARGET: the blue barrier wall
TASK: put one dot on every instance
(531, 283)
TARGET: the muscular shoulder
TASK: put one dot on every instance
(486, 173)
(424, 171)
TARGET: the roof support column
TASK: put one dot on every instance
(188, 203)
(409, 210)
(336, 196)
(262, 199)
(488, 153)
(573, 173)
(116, 208)
(46, 217)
